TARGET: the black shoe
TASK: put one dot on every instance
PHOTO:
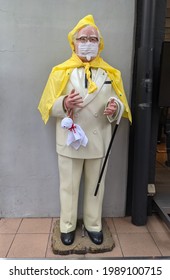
(96, 237)
(67, 238)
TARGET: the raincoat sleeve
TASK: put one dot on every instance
(117, 84)
(53, 89)
(57, 109)
(122, 96)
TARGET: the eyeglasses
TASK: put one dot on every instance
(84, 39)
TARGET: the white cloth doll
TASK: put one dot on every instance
(76, 136)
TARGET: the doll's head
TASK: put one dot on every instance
(66, 123)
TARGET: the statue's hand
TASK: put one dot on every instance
(73, 100)
(111, 108)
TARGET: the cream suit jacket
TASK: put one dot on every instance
(96, 125)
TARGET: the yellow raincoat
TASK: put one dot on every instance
(60, 74)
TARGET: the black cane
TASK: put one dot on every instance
(121, 109)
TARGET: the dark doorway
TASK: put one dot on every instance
(162, 176)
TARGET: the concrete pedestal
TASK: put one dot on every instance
(82, 244)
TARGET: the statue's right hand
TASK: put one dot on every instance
(73, 100)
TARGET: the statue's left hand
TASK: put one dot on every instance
(111, 108)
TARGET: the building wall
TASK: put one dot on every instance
(33, 40)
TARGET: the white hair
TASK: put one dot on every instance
(75, 34)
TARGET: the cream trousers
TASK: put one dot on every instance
(70, 173)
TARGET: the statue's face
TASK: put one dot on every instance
(87, 43)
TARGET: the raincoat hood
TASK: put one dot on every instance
(86, 21)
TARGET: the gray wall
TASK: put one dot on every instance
(33, 39)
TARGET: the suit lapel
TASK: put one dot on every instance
(77, 81)
(99, 80)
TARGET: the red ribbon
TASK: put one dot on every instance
(72, 128)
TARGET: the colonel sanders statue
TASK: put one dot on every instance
(83, 88)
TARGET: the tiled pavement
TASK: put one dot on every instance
(31, 238)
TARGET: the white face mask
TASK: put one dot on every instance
(88, 50)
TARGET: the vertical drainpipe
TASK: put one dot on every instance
(142, 112)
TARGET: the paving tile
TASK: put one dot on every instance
(155, 224)
(162, 240)
(138, 244)
(35, 225)
(124, 225)
(5, 243)
(9, 225)
(49, 252)
(110, 224)
(29, 246)
(32, 239)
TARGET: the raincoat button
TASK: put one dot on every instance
(94, 131)
(96, 115)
